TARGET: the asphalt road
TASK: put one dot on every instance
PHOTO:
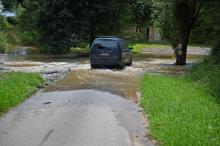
(74, 118)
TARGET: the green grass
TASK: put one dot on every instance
(157, 45)
(81, 49)
(138, 46)
(181, 112)
(208, 72)
(16, 87)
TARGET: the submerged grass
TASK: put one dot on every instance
(181, 112)
(16, 87)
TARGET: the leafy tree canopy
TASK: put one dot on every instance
(63, 21)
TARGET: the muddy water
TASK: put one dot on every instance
(38, 58)
(21, 53)
(123, 84)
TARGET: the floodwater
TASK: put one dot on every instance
(78, 74)
(117, 82)
(25, 54)
(83, 106)
(125, 83)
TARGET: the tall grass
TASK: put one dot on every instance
(181, 112)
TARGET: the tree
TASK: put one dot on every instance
(206, 29)
(177, 18)
(186, 13)
(141, 11)
(168, 25)
(11, 5)
(63, 21)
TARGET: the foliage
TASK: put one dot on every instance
(168, 25)
(11, 38)
(3, 43)
(185, 15)
(64, 22)
(177, 18)
(141, 12)
(12, 20)
(29, 38)
(208, 72)
(127, 19)
(26, 20)
(207, 28)
(178, 117)
(3, 23)
(15, 87)
(12, 5)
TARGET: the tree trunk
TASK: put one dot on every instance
(181, 58)
(181, 55)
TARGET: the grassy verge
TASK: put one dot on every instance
(181, 112)
(138, 46)
(81, 50)
(16, 87)
(157, 45)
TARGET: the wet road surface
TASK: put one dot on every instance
(74, 118)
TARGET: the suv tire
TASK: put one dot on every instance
(130, 63)
(122, 66)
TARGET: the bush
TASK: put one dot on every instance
(208, 72)
(3, 43)
(12, 20)
(29, 37)
(11, 39)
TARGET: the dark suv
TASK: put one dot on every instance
(109, 51)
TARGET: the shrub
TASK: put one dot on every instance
(29, 37)
(11, 39)
(208, 72)
(3, 43)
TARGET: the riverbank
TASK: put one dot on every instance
(180, 111)
(16, 87)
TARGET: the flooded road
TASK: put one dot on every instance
(124, 83)
(80, 106)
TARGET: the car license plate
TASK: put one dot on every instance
(105, 54)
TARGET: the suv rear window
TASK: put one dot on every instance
(105, 44)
